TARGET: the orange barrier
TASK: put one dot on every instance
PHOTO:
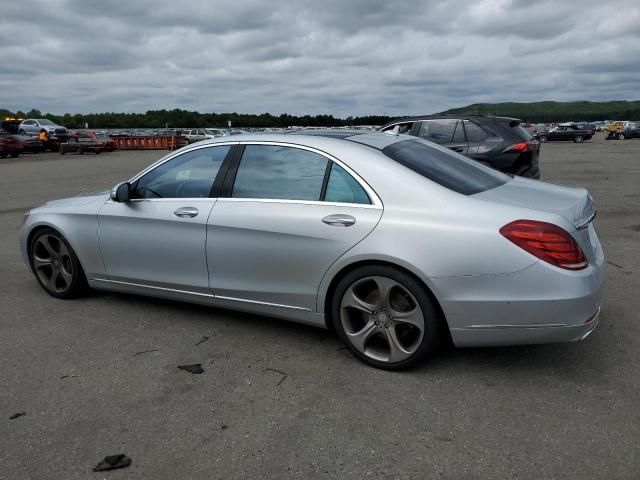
(150, 143)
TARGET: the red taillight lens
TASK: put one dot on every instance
(517, 147)
(546, 241)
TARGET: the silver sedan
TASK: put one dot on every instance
(393, 242)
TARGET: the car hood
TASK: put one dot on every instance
(82, 199)
(574, 204)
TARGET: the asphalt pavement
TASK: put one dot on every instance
(99, 376)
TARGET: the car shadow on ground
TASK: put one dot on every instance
(576, 361)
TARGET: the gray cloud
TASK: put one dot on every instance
(333, 57)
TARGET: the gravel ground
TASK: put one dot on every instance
(99, 376)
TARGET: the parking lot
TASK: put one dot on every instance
(98, 376)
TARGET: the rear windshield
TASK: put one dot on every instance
(444, 167)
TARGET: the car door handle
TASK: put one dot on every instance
(184, 212)
(457, 149)
(339, 220)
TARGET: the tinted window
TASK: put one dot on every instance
(270, 171)
(438, 131)
(343, 188)
(474, 132)
(458, 136)
(444, 167)
(189, 175)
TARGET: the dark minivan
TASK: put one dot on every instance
(499, 142)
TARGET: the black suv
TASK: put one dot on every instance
(498, 142)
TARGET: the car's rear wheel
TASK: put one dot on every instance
(56, 265)
(621, 136)
(22, 132)
(14, 154)
(385, 317)
(578, 139)
(543, 138)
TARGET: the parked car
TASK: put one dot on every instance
(30, 144)
(564, 133)
(80, 144)
(108, 143)
(33, 126)
(631, 130)
(498, 142)
(9, 146)
(392, 241)
(589, 127)
(198, 134)
(612, 127)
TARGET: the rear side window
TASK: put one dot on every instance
(444, 167)
(402, 127)
(474, 132)
(343, 188)
(438, 131)
(271, 171)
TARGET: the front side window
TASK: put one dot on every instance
(189, 175)
(444, 167)
(438, 131)
(276, 172)
(343, 188)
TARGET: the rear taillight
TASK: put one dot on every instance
(546, 241)
(517, 147)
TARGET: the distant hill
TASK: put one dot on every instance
(556, 111)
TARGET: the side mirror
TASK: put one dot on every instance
(120, 193)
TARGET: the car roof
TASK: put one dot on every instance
(475, 117)
(317, 139)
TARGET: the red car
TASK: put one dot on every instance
(108, 143)
(80, 142)
(9, 146)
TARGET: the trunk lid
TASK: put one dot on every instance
(574, 204)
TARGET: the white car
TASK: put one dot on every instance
(197, 134)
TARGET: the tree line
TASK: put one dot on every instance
(178, 118)
(537, 112)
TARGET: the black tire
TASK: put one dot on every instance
(3, 154)
(621, 136)
(543, 138)
(22, 132)
(14, 154)
(81, 152)
(62, 152)
(432, 322)
(74, 288)
(578, 139)
(97, 152)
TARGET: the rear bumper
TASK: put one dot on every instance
(517, 335)
(540, 304)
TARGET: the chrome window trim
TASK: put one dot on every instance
(301, 202)
(373, 196)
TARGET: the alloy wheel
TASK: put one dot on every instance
(382, 319)
(52, 263)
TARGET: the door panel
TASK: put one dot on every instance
(277, 251)
(157, 242)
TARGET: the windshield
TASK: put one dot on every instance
(445, 167)
(45, 122)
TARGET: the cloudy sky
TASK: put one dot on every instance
(340, 57)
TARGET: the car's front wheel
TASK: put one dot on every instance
(621, 136)
(578, 139)
(385, 317)
(543, 138)
(56, 265)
